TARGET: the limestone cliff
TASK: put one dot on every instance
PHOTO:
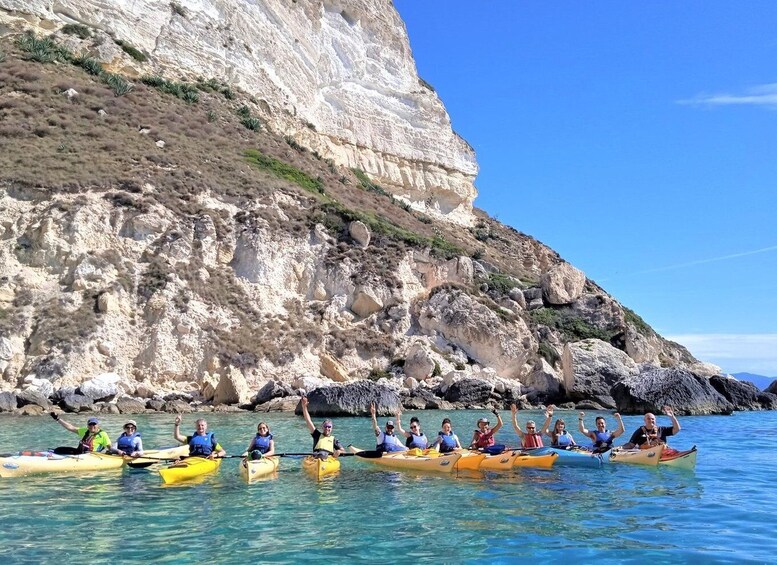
(337, 75)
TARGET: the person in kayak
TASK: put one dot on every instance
(324, 443)
(559, 437)
(386, 440)
(649, 435)
(415, 438)
(446, 439)
(262, 444)
(484, 436)
(92, 437)
(531, 437)
(129, 442)
(202, 443)
(601, 437)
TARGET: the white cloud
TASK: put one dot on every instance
(762, 95)
(734, 353)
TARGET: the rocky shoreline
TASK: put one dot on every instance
(688, 393)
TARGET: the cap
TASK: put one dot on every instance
(131, 423)
(483, 421)
(92, 421)
(390, 424)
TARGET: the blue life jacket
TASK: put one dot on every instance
(126, 443)
(202, 445)
(448, 442)
(390, 443)
(262, 443)
(603, 439)
(419, 441)
(563, 439)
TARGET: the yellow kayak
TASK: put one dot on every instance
(320, 467)
(407, 460)
(539, 461)
(502, 462)
(47, 462)
(470, 460)
(637, 456)
(151, 456)
(252, 469)
(189, 468)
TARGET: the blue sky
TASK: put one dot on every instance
(639, 140)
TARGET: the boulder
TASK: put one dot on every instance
(309, 383)
(365, 302)
(128, 405)
(743, 395)
(232, 388)
(591, 367)
(102, 387)
(544, 380)
(76, 403)
(562, 284)
(360, 234)
(176, 407)
(419, 364)
(352, 399)
(30, 410)
(332, 369)
(43, 386)
(679, 388)
(155, 404)
(772, 388)
(271, 389)
(8, 402)
(285, 404)
(469, 391)
(32, 396)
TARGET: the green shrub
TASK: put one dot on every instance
(502, 283)
(294, 145)
(479, 253)
(639, 324)
(437, 372)
(211, 116)
(569, 324)
(89, 64)
(44, 50)
(154, 81)
(377, 374)
(244, 111)
(78, 30)
(284, 171)
(2, 57)
(131, 51)
(459, 366)
(251, 123)
(228, 93)
(549, 352)
(183, 90)
(118, 84)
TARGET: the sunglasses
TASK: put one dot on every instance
(130, 428)
(414, 427)
(327, 427)
(529, 427)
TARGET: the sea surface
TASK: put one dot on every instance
(723, 512)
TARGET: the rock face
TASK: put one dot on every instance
(743, 395)
(563, 284)
(591, 368)
(338, 76)
(685, 392)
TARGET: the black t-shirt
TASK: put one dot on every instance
(641, 435)
(317, 434)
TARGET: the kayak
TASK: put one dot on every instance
(441, 463)
(252, 469)
(679, 459)
(502, 462)
(470, 460)
(637, 456)
(151, 456)
(189, 468)
(34, 463)
(540, 461)
(320, 467)
(576, 457)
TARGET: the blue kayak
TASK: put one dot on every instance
(576, 457)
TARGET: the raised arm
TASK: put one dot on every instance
(375, 427)
(306, 415)
(176, 430)
(621, 428)
(581, 426)
(69, 427)
(675, 424)
(519, 431)
(499, 423)
(399, 424)
(548, 417)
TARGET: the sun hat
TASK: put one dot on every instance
(92, 421)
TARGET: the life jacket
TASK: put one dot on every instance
(652, 439)
(448, 442)
(563, 439)
(532, 440)
(484, 440)
(603, 439)
(202, 446)
(262, 443)
(390, 443)
(419, 441)
(87, 442)
(126, 443)
(325, 443)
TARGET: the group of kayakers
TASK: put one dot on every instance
(203, 443)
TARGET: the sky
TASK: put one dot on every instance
(636, 139)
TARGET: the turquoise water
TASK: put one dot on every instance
(720, 513)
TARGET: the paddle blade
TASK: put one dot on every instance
(366, 454)
(494, 449)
